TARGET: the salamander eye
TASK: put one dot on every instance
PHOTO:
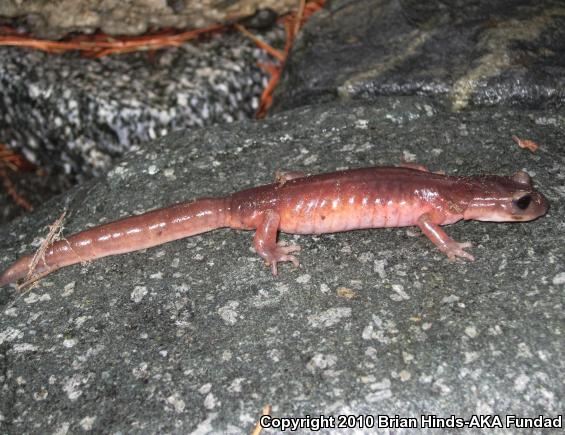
(523, 202)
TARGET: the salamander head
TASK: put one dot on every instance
(506, 199)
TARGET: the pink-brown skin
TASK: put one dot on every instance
(300, 204)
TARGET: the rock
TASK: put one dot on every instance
(56, 18)
(73, 115)
(462, 54)
(197, 335)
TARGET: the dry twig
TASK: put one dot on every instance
(258, 428)
(11, 161)
(292, 23)
(103, 45)
(54, 234)
(12, 192)
(526, 143)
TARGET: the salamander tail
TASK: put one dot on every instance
(126, 235)
(17, 270)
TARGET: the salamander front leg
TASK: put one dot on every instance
(439, 238)
(265, 242)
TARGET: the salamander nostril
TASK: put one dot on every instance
(524, 202)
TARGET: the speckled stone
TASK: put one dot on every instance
(73, 115)
(197, 335)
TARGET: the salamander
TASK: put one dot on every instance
(311, 204)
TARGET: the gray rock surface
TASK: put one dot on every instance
(460, 53)
(196, 335)
(73, 115)
(56, 18)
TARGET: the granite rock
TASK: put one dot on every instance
(461, 54)
(73, 115)
(56, 18)
(197, 335)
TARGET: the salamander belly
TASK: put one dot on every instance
(344, 213)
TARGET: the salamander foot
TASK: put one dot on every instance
(456, 249)
(281, 253)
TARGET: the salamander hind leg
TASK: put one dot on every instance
(444, 243)
(265, 242)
